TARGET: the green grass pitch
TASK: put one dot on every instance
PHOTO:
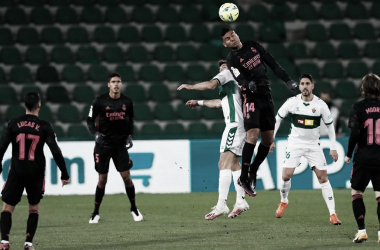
(176, 221)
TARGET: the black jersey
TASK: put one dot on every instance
(113, 117)
(364, 121)
(28, 135)
(247, 64)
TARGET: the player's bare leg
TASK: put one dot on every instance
(99, 194)
(130, 189)
(5, 225)
(31, 227)
(287, 174)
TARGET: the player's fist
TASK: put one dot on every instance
(272, 147)
(192, 103)
(185, 86)
(129, 142)
(292, 85)
(65, 182)
(347, 159)
(99, 138)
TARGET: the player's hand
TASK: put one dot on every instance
(65, 182)
(129, 142)
(292, 85)
(99, 138)
(192, 103)
(272, 147)
(252, 86)
(334, 155)
(347, 159)
(185, 86)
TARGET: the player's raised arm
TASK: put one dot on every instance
(207, 85)
(215, 103)
(4, 143)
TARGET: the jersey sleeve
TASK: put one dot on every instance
(326, 114)
(4, 143)
(237, 71)
(94, 112)
(284, 110)
(222, 77)
(353, 121)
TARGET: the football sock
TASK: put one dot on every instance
(31, 225)
(284, 190)
(6, 224)
(262, 153)
(239, 190)
(99, 194)
(359, 210)
(246, 160)
(224, 187)
(378, 210)
(131, 196)
(328, 195)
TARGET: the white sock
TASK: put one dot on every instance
(28, 243)
(284, 190)
(4, 241)
(239, 190)
(328, 195)
(224, 187)
(361, 230)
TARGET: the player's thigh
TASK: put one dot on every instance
(375, 178)
(316, 158)
(102, 157)
(121, 159)
(360, 177)
(233, 139)
(267, 115)
(293, 157)
(13, 189)
(35, 189)
(252, 112)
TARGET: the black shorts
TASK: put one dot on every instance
(258, 111)
(119, 155)
(14, 187)
(362, 174)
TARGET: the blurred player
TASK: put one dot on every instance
(231, 145)
(246, 63)
(113, 114)
(306, 111)
(364, 122)
(28, 135)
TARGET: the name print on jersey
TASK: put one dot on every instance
(115, 116)
(372, 109)
(28, 124)
(253, 62)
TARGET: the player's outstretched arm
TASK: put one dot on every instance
(208, 85)
(215, 103)
(58, 158)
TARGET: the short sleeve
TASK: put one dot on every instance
(284, 110)
(222, 77)
(353, 121)
(326, 114)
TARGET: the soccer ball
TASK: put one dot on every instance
(228, 12)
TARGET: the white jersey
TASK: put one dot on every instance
(306, 118)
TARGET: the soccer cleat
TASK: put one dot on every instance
(378, 237)
(138, 216)
(94, 219)
(334, 220)
(5, 246)
(28, 247)
(247, 188)
(281, 209)
(216, 213)
(238, 209)
(360, 237)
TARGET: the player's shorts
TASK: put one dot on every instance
(258, 111)
(233, 139)
(15, 185)
(361, 175)
(119, 155)
(315, 157)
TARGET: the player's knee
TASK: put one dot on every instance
(128, 182)
(286, 178)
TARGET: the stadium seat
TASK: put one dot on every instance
(14, 111)
(98, 73)
(10, 55)
(182, 2)
(36, 55)
(59, 132)
(288, 66)
(7, 3)
(309, 68)
(167, 14)
(364, 31)
(357, 69)
(126, 72)
(316, 32)
(196, 129)
(217, 128)
(211, 114)
(128, 34)
(73, 74)
(51, 35)
(83, 94)
(142, 112)
(27, 89)
(115, 15)
(375, 10)
(68, 113)
(348, 50)
(21, 74)
(62, 55)
(83, 2)
(340, 31)
(113, 54)
(245, 32)
(41, 16)
(356, 11)
(15, 16)
(88, 55)
(210, 94)
(174, 73)
(324, 86)
(66, 15)
(210, 11)
(376, 67)
(333, 69)
(215, 31)
(330, 11)
(208, 52)
(176, 129)
(136, 93)
(8, 95)
(284, 129)
(92, 15)
(280, 91)
(324, 51)
(47, 74)
(6, 37)
(86, 111)
(104, 34)
(57, 94)
(151, 129)
(347, 90)
(186, 53)
(27, 36)
(150, 73)
(258, 13)
(272, 32)
(164, 112)
(281, 12)
(307, 12)
(151, 34)
(77, 35)
(3, 78)
(190, 14)
(196, 72)
(297, 51)
(372, 50)
(32, 3)
(277, 50)
(345, 107)
(79, 132)
(164, 53)
(57, 2)
(199, 33)
(159, 93)
(142, 14)
(175, 33)
(138, 54)
(186, 113)
(45, 114)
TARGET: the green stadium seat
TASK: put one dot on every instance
(211, 114)
(288, 66)
(47, 74)
(307, 12)
(309, 68)
(215, 32)
(375, 10)
(333, 69)
(66, 15)
(364, 31)
(73, 74)
(208, 52)
(136, 93)
(347, 90)
(348, 50)
(91, 15)
(27, 89)
(126, 72)
(142, 112)
(3, 78)
(83, 94)
(45, 114)
(174, 73)
(68, 113)
(330, 11)
(104, 34)
(15, 16)
(186, 113)
(376, 67)
(98, 73)
(210, 94)
(7, 3)
(277, 50)
(281, 12)
(196, 72)
(245, 32)
(272, 32)
(210, 11)
(164, 53)
(164, 112)
(199, 33)
(150, 73)
(108, 2)
(8, 95)
(316, 32)
(340, 31)
(86, 111)
(213, 70)
(152, 34)
(181, 2)
(176, 129)
(36, 55)
(59, 132)
(372, 50)
(51, 35)
(158, 2)
(57, 2)
(324, 86)
(6, 37)
(138, 54)
(197, 129)
(115, 15)
(10, 55)
(175, 33)
(356, 11)
(168, 14)
(27, 36)
(280, 91)
(258, 13)
(186, 53)
(151, 129)
(113, 54)
(324, 51)
(14, 111)
(57, 94)
(159, 93)
(21, 74)
(345, 107)
(357, 69)
(41, 16)
(298, 51)
(62, 55)
(32, 2)
(190, 14)
(88, 55)
(77, 35)
(128, 34)
(142, 14)
(83, 2)
(79, 132)
(284, 129)
(218, 128)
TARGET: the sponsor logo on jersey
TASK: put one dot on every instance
(124, 108)
(241, 60)
(253, 50)
(115, 115)
(253, 62)
(108, 108)
(235, 71)
(305, 122)
(313, 110)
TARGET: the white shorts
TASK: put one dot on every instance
(315, 157)
(233, 139)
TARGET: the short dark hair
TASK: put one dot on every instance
(31, 100)
(113, 74)
(221, 62)
(308, 76)
(224, 31)
(371, 86)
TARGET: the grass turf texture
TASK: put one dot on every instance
(176, 221)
